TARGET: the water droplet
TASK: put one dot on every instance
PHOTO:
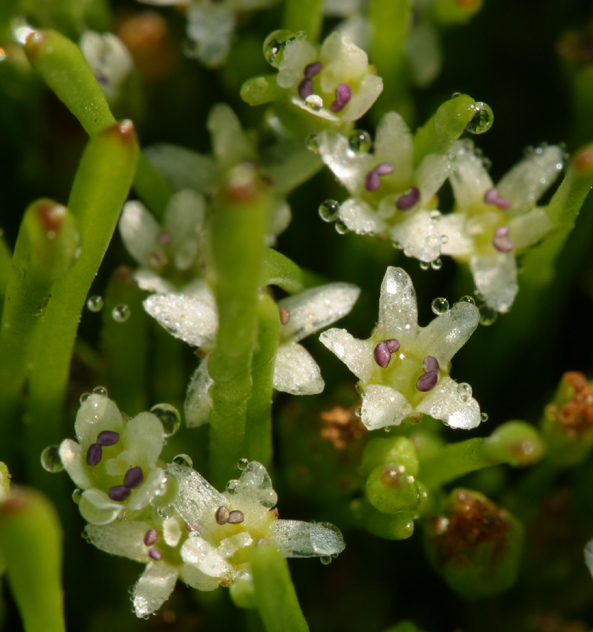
(359, 141)
(435, 214)
(479, 295)
(314, 102)
(444, 239)
(50, 459)
(440, 306)
(85, 536)
(325, 559)
(484, 417)
(168, 511)
(397, 245)
(437, 264)
(482, 119)
(424, 265)
(488, 315)
(464, 390)
(183, 459)
(312, 143)
(275, 44)
(487, 163)
(100, 390)
(242, 464)
(95, 304)
(169, 416)
(329, 210)
(467, 299)
(77, 495)
(341, 228)
(231, 486)
(84, 397)
(358, 412)
(455, 95)
(121, 313)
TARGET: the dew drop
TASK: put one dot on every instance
(488, 315)
(444, 239)
(231, 486)
(329, 210)
(467, 299)
(100, 390)
(341, 228)
(455, 95)
(121, 313)
(242, 464)
(484, 417)
(424, 265)
(482, 120)
(440, 306)
(95, 304)
(464, 390)
(168, 511)
(275, 44)
(183, 459)
(50, 459)
(487, 163)
(84, 397)
(314, 102)
(437, 264)
(169, 416)
(435, 215)
(312, 143)
(85, 536)
(359, 141)
(326, 559)
(77, 495)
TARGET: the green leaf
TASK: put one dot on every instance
(281, 271)
(304, 15)
(260, 90)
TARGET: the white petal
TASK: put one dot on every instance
(529, 228)
(424, 54)
(398, 310)
(362, 99)
(495, 277)
(229, 546)
(139, 230)
(295, 56)
(383, 406)
(123, 538)
(469, 179)
(211, 28)
(181, 167)
(343, 62)
(296, 372)
(144, 437)
(149, 280)
(149, 489)
(230, 143)
(205, 557)
(171, 531)
(294, 538)
(198, 402)
(96, 413)
(419, 235)
(431, 174)
(393, 143)
(279, 221)
(254, 487)
(356, 354)
(74, 462)
(316, 308)
(193, 577)
(349, 167)
(445, 403)
(447, 333)
(153, 588)
(458, 242)
(360, 218)
(357, 29)
(193, 319)
(97, 508)
(184, 219)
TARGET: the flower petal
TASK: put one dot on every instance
(419, 236)
(296, 372)
(205, 557)
(393, 144)
(123, 538)
(211, 28)
(139, 231)
(96, 413)
(360, 218)
(368, 92)
(349, 167)
(181, 167)
(144, 437)
(255, 487)
(529, 228)
(495, 277)
(446, 404)
(469, 179)
(383, 406)
(230, 143)
(198, 402)
(184, 219)
(431, 174)
(295, 538)
(151, 281)
(398, 310)
(296, 55)
(74, 462)
(193, 577)
(356, 354)
(457, 241)
(343, 62)
(97, 508)
(153, 588)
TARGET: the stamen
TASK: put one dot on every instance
(150, 537)
(408, 200)
(430, 364)
(263, 541)
(119, 492)
(501, 240)
(108, 437)
(236, 517)
(491, 197)
(383, 351)
(133, 477)
(427, 381)
(284, 315)
(343, 96)
(305, 88)
(155, 554)
(94, 454)
(372, 182)
(222, 515)
(311, 70)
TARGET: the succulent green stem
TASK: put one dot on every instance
(304, 15)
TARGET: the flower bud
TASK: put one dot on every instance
(392, 452)
(392, 489)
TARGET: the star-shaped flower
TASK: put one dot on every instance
(492, 225)
(403, 368)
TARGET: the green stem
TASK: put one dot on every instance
(304, 15)
(5, 268)
(281, 271)
(276, 598)
(454, 461)
(167, 375)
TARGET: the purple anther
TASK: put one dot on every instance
(108, 437)
(134, 477)
(372, 182)
(94, 454)
(383, 351)
(427, 381)
(236, 517)
(408, 200)
(501, 240)
(311, 70)
(155, 554)
(384, 169)
(491, 197)
(150, 537)
(222, 515)
(343, 96)
(305, 88)
(119, 492)
(430, 364)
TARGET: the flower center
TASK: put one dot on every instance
(372, 181)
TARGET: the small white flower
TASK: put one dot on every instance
(491, 225)
(403, 368)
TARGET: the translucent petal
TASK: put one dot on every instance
(527, 181)
(398, 310)
(181, 167)
(356, 354)
(349, 167)
(431, 174)
(469, 179)
(205, 557)
(357, 29)
(139, 231)
(193, 577)
(343, 62)
(97, 413)
(142, 496)
(74, 462)
(198, 402)
(383, 406)
(316, 308)
(458, 242)
(447, 333)
(424, 54)
(445, 403)
(193, 319)
(419, 236)
(360, 218)
(144, 437)
(393, 143)
(363, 98)
(294, 538)
(230, 143)
(123, 538)
(97, 508)
(149, 280)
(255, 486)
(589, 556)
(211, 27)
(529, 228)
(153, 588)
(296, 55)
(296, 372)
(229, 546)
(495, 277)
(171, 531)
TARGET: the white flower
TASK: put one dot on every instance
(491, 225)
(207, 542)
(109, 60)
(115, 459)
(403, 368)
(389, 196)
(194, 319)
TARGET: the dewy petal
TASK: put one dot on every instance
(254, 487)
(194, 319)
(148, 491)
(296, 372)
(151, 281)
(342, 61)
(348, 166)
(356, 354)
(230, 143)
(447, 333)
(123, 538)
(184, 219)
(419, 236)
(495, 276)
(139, 231)
(144, 437)
(398, 310)
(469, 179)
(229, 546)
(297, 54)
(181, 167)
(446, 404)
(527, 181)
(368, 92)
(316, 308)
(393, 143)
(153, 588)
(529, 228)
(198, 402)
(193, 577)
(458, 242)
(96, 413)
(211, 27)
(73, 460)
(360, 218)
(205, 557)
(294, 538)
(383, 406)
(97, 508)
(431, 174)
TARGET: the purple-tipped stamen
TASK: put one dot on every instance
(94, 454)
(119, 492)
(305, 88)
(134, 477)
(408, 200)
(343, 96)
(430, 364)
(108, 437)
(491, 197)
(501, 240)
(383, 351)
(222, 515)
(150, 537)
(311, 70)
(236, 517)
(427, 381)
(372, 181)
(155, 554)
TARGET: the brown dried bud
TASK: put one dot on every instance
(341, 426)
